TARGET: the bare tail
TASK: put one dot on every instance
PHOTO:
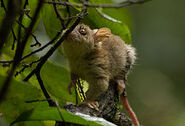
(129, 110)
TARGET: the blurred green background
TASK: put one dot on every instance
(156, 87)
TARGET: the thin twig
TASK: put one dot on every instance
(26, 66)
(8, 61)
(69, 14)
(38, 100)
(29, 16)
(25, 10)
(43, 47)
(58, 14)
(35, 38)
(13, 33)
(52, 100)
(37, 50)
(14, 39)
(69, 18)
(7, 22)
(123, 4)
(43, 88)
(25, 4)
(65, 3)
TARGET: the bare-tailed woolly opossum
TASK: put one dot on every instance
(98, 56)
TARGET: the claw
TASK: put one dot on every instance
(92, 104)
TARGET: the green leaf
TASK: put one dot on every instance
(18, 93)
(95, 21)
(34, 123)
(44, 112)
(51, 22)
(56, 80)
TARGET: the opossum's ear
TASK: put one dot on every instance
(101, 34)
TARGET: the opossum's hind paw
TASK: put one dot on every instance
(92, 104)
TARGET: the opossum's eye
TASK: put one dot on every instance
(82, 30)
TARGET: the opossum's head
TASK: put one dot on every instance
(82, 39)
(81, 35)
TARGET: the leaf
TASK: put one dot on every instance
(18, 93)
(94, 19)
(51, 22)
(44, 112)
(56, 80)
(34, 123)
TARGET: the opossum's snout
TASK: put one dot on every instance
(80, 34)
(74, 36)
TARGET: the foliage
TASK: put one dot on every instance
(55, 78)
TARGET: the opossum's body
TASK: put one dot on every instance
(98, 57)
(97, 62)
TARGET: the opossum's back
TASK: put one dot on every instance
(117, 54)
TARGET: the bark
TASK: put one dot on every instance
(108, 109)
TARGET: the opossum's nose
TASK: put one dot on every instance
(71, 36)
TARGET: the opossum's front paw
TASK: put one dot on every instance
(71, 84)
(92, 104)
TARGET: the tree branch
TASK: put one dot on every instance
(14, 8)
(123, 4)
(108, 110)
(35, 38)
(37, 50)
(26, 66)
(13, 33)
(69, 14)
(19, 50)
(11, 13)
(58, 15)
(51, 103)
